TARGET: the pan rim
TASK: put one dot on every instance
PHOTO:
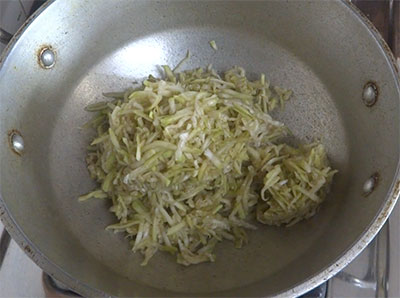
(322, 276)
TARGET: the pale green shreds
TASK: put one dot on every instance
(213, 44)
(195, 158)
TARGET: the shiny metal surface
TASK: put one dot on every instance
(370, 184)
(370, 94)
(47, 58)
(327, 78)
(16, 142)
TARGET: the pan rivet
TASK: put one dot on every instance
(47, 58)
(370, 94)
(370, 184)
(17, 142)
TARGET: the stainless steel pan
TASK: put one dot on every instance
(346, 93)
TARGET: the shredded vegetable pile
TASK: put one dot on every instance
(195, 158)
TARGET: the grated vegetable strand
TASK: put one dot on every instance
(194, 158)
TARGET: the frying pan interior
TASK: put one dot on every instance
(323, 51)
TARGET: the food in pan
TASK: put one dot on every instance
(195, 157)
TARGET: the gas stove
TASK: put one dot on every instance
(374, 273)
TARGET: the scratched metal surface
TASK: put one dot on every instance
(98, 70)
